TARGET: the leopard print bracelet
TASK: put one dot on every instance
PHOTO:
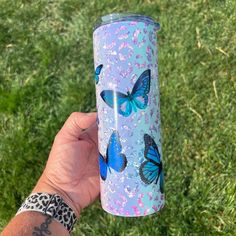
(51, 205)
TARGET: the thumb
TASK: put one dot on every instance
(91, 133)
(75, 124)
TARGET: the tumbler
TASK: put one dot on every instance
(128, 108)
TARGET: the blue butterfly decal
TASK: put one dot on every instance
(138, 98)
(114, 158)
(97, 73)
(151, 170)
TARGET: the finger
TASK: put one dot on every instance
(76, 123)
(91, 133)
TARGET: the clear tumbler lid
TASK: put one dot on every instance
(115, 17)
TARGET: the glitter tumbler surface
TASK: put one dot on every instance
(127, 92)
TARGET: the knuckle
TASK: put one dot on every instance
(74, 115)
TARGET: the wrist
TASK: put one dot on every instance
(34, 223)
(45, 186)
(50, 205)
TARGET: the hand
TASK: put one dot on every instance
(72, 169)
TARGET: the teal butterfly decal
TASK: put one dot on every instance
(97, 73)
(151, 170)
(137, 98)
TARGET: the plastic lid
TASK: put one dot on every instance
(116, 17)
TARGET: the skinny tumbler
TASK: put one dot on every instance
(127, 97)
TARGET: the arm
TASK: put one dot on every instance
(71, 172)
(34, 224)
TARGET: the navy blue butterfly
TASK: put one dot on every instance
(151, 170)
(125, 103)
(114, 158)
(97, 73)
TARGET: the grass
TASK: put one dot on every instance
(46, 72)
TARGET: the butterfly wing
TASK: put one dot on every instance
(98, 69)
(97, 73)
(151, 151)
(102, 167)
(150, 169)
(162, 182)
(141, 89)
(115, 159)
(148, 172)
(118, 101)
(96, 78)
(141, 102)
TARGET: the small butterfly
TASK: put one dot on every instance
(138, 98)
(114, 158)
(97, 73)
(151, 170)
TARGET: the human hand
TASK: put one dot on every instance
(72, 169)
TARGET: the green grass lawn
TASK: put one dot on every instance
(46, 72)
